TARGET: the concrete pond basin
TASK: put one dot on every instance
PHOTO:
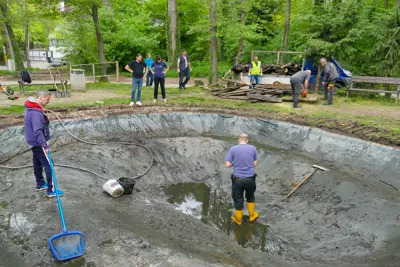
(179, 212)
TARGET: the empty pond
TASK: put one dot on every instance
(179, 213)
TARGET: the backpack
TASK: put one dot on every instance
(25, 76)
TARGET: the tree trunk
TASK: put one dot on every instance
(241, 39)
(171, 44)
(397, 3)
(14, 45)
(213, 41)
(100, 44)
(386, 4)
(27, 47)
(287, 26)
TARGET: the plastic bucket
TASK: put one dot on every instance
(128, 184)
(113, 188)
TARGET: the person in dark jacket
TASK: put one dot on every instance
(184, 69)
(159, 69)
(37, 134)
(330, 76)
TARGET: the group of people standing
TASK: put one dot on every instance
(299, 81)
(155, 71)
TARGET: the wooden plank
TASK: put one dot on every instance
(267, 98)
(235, 97)
(372, 90)
(371, 79)
(308, 99)
(238, 82)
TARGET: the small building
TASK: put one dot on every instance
(44, 58)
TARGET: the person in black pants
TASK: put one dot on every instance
(184, 69)
(243, 158)
(37, 135)
(159, 69)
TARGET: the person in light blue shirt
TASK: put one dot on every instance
(149, 78)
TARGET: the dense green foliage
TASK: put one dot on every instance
(361, 34)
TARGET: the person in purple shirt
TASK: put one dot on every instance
(243, 158)
(159, 69)
(37, 135)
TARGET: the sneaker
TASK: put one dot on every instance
(42, 188)
(297, 106)
(131, 104)
(155, 100)
(327, 104)
(53, 194)
(165, 101)
(138, 103)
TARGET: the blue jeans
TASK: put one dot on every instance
(39, 163)
(184, 74)
(255, 78)
(149, 79)
(136, 83)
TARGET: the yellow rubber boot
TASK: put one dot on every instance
(237, 218)
(253, 214)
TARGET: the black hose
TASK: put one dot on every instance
(86, 142)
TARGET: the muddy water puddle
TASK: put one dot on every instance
(213, 208)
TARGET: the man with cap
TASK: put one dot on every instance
(299, 81)
(243, 158)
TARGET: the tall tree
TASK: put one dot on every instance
(386, 4)
(242, 31)
(213, 41)
(10, 32)
(100, 43)
(27, 47)
(287, 25)
(171, 44)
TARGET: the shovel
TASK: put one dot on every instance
(67, 244)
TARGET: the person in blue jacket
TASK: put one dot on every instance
(37, 135)
(149, 78)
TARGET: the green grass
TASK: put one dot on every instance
(12, 110)
(314, 115)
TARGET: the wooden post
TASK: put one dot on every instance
(94, 73)
(252, 55)
(117, 70)
(278, 58)
(304, 61)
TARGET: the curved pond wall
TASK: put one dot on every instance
(359, 157)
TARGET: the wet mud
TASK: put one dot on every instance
(179, 213)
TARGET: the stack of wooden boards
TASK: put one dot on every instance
(287, 69)
(262, 92)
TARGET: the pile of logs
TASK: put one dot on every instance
(262, 92)
(287, 69)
